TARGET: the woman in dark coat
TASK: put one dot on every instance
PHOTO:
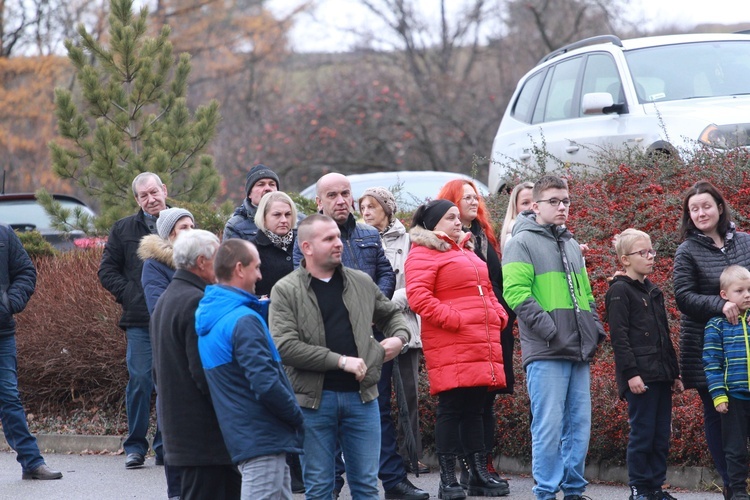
(276, 219)
(711, 244)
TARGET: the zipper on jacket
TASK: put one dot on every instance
(486, 315)
(743, 318)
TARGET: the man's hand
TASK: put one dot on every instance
(722, 407)
(636, 385)
(392, 346)
(355, 366)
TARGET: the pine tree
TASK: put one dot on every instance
(134, 118)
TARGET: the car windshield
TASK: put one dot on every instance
(18, 212)
(690, 70)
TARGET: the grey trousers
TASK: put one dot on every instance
(409, 365)
(266, 478)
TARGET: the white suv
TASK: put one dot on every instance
(664, 94)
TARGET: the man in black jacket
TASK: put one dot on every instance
(17, 282)
(192, 438)
(120, 273)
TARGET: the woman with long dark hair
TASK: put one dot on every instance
(711, 243)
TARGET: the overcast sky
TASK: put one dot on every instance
(326, 28)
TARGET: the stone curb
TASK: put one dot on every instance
(691, 478)
(73, 443)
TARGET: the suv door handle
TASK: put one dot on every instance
(572, 148)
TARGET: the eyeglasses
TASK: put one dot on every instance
(644, 253)
(470, 197)
(554, 202)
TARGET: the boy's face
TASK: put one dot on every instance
(551, 207)
(639, 261)
(739, 293)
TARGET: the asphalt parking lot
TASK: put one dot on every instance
(105, 477)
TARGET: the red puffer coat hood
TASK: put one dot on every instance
(450, 288)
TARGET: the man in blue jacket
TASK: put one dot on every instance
(17, 283)
(253, 399)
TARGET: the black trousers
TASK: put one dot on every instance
(734, 426)
(211, 482)
(459, 427)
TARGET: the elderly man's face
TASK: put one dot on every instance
(260, 188)
(151, 196)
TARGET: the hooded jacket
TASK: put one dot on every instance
(253, 398)
(698, 264)
(726, 354)
(158, 267)
(553, 301)
(450, 288)
(17, 279)
(299, 333)
(120, 269)
(639, 330)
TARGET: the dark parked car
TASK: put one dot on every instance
(23, 212)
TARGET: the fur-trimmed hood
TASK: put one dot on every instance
(154, 247)
(438, 240)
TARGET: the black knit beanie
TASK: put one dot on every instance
(430, 213)
(257, 173)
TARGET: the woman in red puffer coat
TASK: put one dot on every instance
(449, 287)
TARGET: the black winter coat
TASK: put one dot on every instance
(17, 279)
(698, 264)
(275, 263)
(484, 250)
(639, 330)
(120, 269)
(188, 422)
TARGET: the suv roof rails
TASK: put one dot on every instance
(582, 43)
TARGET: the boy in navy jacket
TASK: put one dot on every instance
(646, 365)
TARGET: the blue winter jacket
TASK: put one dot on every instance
(364, 251)
(254, 401)
(726, 356)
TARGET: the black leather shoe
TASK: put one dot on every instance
(134, 460)
(406, 491)
(422, 468)
(42, 472)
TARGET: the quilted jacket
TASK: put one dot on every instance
(450, 288)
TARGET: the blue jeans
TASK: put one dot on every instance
(560, 395)
(12, 415)
(138, 392)
(342, 416)
(650, 416)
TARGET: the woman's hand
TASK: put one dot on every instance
(731, 311)
(677, 386)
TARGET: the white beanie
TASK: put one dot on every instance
(167, 220)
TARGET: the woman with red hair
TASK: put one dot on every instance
(475, 219)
